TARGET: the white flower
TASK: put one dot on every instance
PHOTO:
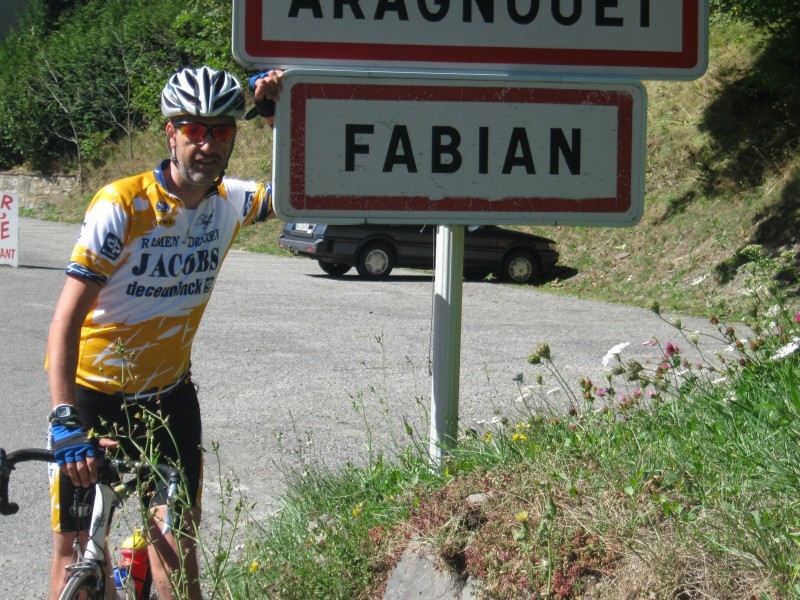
(788, 349)
(614, 352)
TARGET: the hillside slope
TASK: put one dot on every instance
(723, 171)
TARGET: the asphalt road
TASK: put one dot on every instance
(283, 356)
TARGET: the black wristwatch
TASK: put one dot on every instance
(65, 414)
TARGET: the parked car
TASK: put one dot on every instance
(374, 250)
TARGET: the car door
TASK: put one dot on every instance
(414, 245)
(483, 249)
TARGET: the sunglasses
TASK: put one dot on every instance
(197, 132)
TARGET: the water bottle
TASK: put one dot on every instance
(124, 587)
(134, 560)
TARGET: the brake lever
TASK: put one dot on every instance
(6, 507)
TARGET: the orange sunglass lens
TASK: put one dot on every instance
(197, 131)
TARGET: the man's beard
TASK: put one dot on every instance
(200, 177)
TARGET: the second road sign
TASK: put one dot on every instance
(388, 148)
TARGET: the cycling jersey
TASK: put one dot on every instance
(157, 263)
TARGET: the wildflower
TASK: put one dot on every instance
(694, 337)
(788, 349)
(488, 436)
(519, 437)
(635, 368)
(614, 352)
(254, 566)
(651, 342)
(357, 509)
(543, 350)
(671, 349)
(522, 517)
(797, 317)
(677, 322)
(602, 392)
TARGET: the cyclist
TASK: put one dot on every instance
(137, 284)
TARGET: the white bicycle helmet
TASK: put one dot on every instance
(202, 92)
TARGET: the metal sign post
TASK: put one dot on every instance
(460, 150)
(399, 147)
(448, 287)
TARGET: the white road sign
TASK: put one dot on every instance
(9, 229)
(388, 148)
(648, 39)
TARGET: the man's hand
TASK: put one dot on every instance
(266, 88)
(76, 452)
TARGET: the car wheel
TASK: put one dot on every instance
(520, 266)
(335, 269)
(375, 261)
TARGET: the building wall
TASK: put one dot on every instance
(37, 192)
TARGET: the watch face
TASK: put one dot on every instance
(62, 412)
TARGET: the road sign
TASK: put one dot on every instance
(9, 229)
(385, 148)
(648, 39)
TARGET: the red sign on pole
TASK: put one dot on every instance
(648, 39)
(385, 148)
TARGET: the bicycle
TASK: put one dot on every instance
(88, 574)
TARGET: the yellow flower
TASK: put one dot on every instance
(357, 509)
(522, 517)
(254, 566)
(488, 436)
(519, 437)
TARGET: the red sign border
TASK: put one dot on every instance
(301, 93)
(687, 59)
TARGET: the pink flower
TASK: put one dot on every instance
(797, 317)
(671, 349)
(602, 392)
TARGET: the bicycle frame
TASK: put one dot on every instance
(110, 493)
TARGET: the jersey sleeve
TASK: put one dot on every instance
(102, 238)
(252, 200)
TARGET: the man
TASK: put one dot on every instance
(138, 281)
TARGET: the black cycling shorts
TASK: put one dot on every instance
(175, 438)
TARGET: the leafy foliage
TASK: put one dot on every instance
(75, 74)
(764, 13)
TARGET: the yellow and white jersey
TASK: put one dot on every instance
(157, 262)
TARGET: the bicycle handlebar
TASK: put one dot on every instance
(107, 469)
